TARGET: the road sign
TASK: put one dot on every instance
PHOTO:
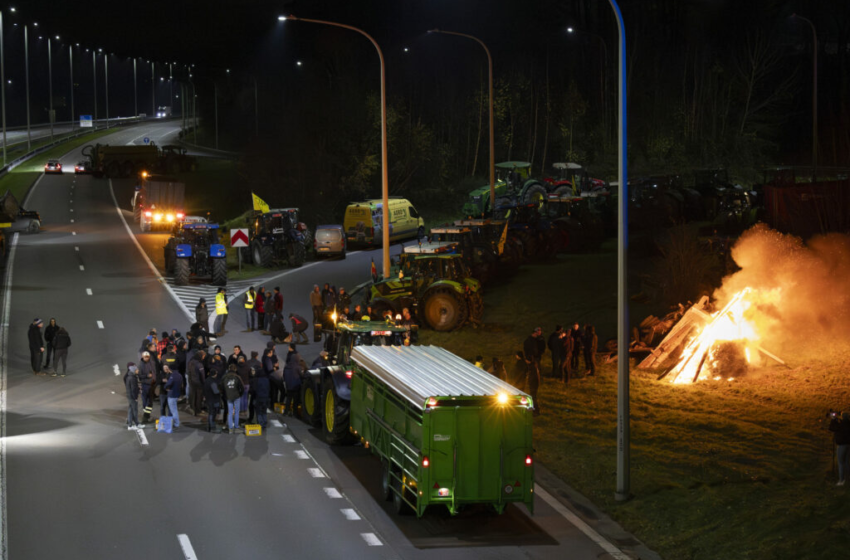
(239, 238)
(147, 140)
(85, 121)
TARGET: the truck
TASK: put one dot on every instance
(163, 112)
(127, 161)
(158, 202)
(446, 432)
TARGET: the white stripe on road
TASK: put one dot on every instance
(72, 201)
(615, 552)
(140, 434)
(188, 551)
(350, 514)
(100, 324)
(156, 274)
(77, 248)
(115, 369)
(301, 454)
(72, 209)
(371, 539)
(73, 233)
(332, 492)
(82, 267)
(316, 473)
(288, 438)
(72, 221)
(316, 463)
(88, 291)
(277, 424)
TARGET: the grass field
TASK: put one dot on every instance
(720, 470)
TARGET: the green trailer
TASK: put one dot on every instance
(447, 432)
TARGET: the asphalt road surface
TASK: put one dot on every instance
(78, 484)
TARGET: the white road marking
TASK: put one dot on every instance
(316, 473)
(156, 274)
(316, 463)
(332, 492)
(72, 201)
(76, 248)
(82, 267)
(350, 514)
(140, 434)
(88, 291)
(73, 232)
(115, 369)
(72, 209)
(615, 552)
(277, 454)
(288, 438)
(277, 424)
(72, 221)
(371, 539)
(188, 551)
(100, 324)
(301, 454)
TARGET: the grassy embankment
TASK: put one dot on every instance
(720, 470)
(20, 178)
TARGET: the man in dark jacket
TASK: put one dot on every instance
(321, 360)
(174, 386)
(213, 398)
(131, 385)
(36, 345)
(556, 348)
(255, 367)
(278, 302)
(197, 380)
(61, 343)
(532, 349)
(299, 327)
(567, 353)
(161, 380)
(260, 390)
(49, 332)
(234, 358)
(840, 427)
(344, 299)
(147, 377)
(278, 330)
(233, 390)
(578, 344)
(202, 314)
(273, 371)
(170, 358)
(292, 381)
(244, 373)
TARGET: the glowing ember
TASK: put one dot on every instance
(709, 350)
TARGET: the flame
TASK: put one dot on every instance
(735, 322)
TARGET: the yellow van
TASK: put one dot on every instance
(363, 221)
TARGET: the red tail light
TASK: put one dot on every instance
(349, 373)
(148, 214)
(528, 460)
(432, 402)
(523, 401)
(180, 215)
(425, 462)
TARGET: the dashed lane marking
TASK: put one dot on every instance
(288, 438)
(88, 291)
(82, 267)
(301, 454)
(77, 249)
(100, 324)
(115, 369)
(316, 473)
(140, 434)
(73, 233)
(72, 209)
(186, 545)
(350, 514)
(332, 492)
(371, 539)
(277, 424)
(72, 220)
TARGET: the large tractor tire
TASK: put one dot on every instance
(297, 254)
(311, 412)
(246, 255)
(444, 310)
(535, 194)
(181, 272)
(262, 254)
(476, 308)
(399, 505)
(335, 417)
(219, 272)
(563, 191)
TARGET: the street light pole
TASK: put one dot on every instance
(492, 126)
(135, 90)
(215, 97)
(27, 80)
(153, 89)
(106, 82)
(3, 85)
(71, 65)
(814, 96)
(385, 187)
(50, 86)
(171, 87)
(94, 74)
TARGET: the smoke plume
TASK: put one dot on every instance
(803, 289)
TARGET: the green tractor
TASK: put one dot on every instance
(513, 184)
(434, 282)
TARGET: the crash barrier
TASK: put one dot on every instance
(220, 153)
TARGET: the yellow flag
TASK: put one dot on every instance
(503, 239)
(260, 204)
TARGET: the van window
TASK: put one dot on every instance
(328, 235)
(412, 211)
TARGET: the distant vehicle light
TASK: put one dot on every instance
(144, 174)
(523, 401)
(432, 401)
(180, 215)
(381, 333)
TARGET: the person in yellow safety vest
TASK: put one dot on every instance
(221, 311)
(250, 317)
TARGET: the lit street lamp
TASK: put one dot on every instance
(814, 95)
(490, 93)
(50, 85)
(385, 188)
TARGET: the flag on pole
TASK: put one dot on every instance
(259, 204)
(374, 271)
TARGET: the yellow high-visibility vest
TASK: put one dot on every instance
(220, 305)
(249, 303)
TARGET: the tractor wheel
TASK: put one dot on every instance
(535, 194)
(262, 254)
(219, 272)
(443, 310)
(335, 420)
(310, 411)
(564, 191)
(34, 227)
(246, 255)
(297, 254)
(113, 170)
(503, 201)
(386, 481)
(476, 308)
(181, 272)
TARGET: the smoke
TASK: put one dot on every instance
(801, 290)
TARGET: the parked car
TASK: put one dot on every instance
(329, 241)
(82, 167)
(53, 166)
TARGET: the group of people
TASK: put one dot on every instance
(226, 388)
(53, 343)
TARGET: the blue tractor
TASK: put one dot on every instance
(194, 250)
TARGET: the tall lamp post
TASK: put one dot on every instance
(50, 85)
(385, 189)
(71, 67)
(27, 80)
(106, 83)
(814, 95)
(490, 94)
(135, 90)
(3, 85)
(94, 74)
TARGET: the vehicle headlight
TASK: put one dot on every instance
(157, 217)
(169, 217)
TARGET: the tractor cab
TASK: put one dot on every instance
(345, 335)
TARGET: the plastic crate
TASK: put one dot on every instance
(278, 407)
(253, 430)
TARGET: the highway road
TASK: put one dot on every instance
(77, 484)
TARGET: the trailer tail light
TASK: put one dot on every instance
(523, 401)
(432, 401)
(180, 215)
(349, 373)
(443, 492)
(426, 462)
(528, 460)
(148, 214)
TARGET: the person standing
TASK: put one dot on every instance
(299, 327)
(36, 345)
(272, 370)
(840, 428)
(590, 344)
(255, 367)
(260, 392)
(321, 360)
(174, 386)
(556, 348)
(532, 349)
(270, 311)
(567, 353)
(244, 373)
(520, 371)
(316, 304)
(61, 343)
(147, 377)
(49, 333)
(292, 381)
(278, 330)
(233, 390)
(197, 380)
(260, 307)
(202, 314)
(278, 302)
(221, 312)
(497, 369)
(578, 343)
(131, 385)
(212, 395)
(248, 301)
(343, 299)
(234, 358)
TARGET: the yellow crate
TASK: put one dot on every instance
(253, 430)
(278, 407)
